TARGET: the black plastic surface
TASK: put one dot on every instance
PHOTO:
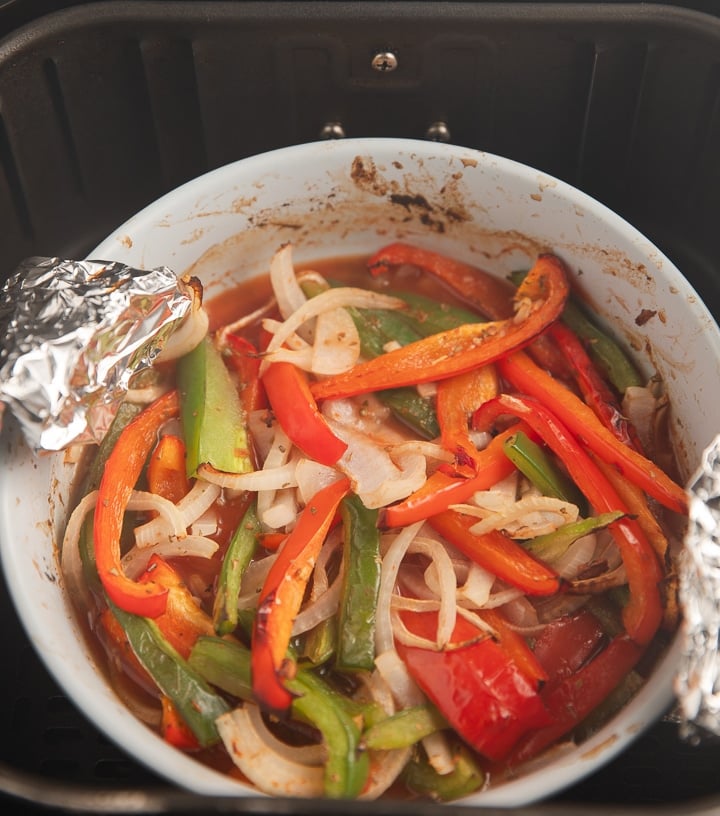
(104, 107)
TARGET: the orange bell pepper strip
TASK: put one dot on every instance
(442, 489)
(540, 299)
(166, 475)
(516, 647)
(457, 398)
(295, 408)
(282, 594)
(576, 696)
(521, 372)
(183, 621)
(498, 554)
(122, 470)
(643, 612)
(594, 389)
(174, 729)
(490, 295)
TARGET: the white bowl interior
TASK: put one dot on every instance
(342, 198)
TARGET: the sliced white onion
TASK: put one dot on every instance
(312, 476)
(136, 558)
(440, 577)
(281, 511)
(300, 357)
(254, 481)
(431, 450)
(376, 477)
(477, 586)
(639, 405)
(184, 339)
(577, 556)
(201, 496)
(524, 518)
(331, 299)
(288, 293)
(70, 561)
(253, 580)
(242, 322)
(144, 396)
(169, 522)
(388, 576)
(262, 424)
(318, 610)
(337, 344)
(252, 748)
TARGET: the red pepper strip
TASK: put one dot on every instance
(166, 473)
(243, 358)
(490, 295)
(523, 374)
(122, 471)
(476, 685)
(183, 621)
(577, 695)
(457, 399)
(282, 595)
(541, 297)
(174, 729)
(516, 647)
(594, 389)
(566, 644)
(442, 489)
(643, 612)
(497, 553)
(294, 406)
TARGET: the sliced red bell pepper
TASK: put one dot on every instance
(575, 697)
(566, 644)
(476, 685)
(296, 410)
(643, 612)
(497, 553)
(457, 398)
(166, 473)
(490, 295)
(541, 296)
(442, 489)
(594, 389)
(282, 595)
(243, 358)
(122, 471)
(519, 370)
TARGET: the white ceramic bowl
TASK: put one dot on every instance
(344, 198)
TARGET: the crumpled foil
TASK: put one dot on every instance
(73, 334)
(697, 682)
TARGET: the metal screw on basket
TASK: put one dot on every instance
(332, 130)
(438, 132)
(384, 62)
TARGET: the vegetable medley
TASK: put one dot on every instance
(360, 539)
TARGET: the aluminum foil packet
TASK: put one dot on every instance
(73, 334)
(697, 682)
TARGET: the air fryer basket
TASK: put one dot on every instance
(106, 106)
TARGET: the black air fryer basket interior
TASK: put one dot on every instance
(106, 106)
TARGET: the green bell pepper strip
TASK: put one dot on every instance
(411, 409)
(189, 692)
(213, 420)
(606, 352)
(240, 551)
(464, 779)
(533, 461)
(227, 665)
(405, 728)
(551, 546)
(361, 584)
